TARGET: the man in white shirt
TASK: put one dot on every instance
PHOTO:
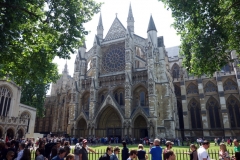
(202, 151)
(20, 153)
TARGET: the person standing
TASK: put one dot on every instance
(223, 153)
(115, 153)
(108, 153)
(202, 151)
(236, 149)
(61, 154)
(156, 150)
(132, 154)
(21, 148)
(170, 155)
(169, 145)
(124, 151)
(141, 153)
(193, 154)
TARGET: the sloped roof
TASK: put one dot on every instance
(151, 25)
(116, 31)
(173, 51)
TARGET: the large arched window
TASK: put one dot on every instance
(175, 71)
(229, 85)
(192, 89)
(26, 116)
(195, 112)
(210, 87)
(213, 111)
(233, 111)
(5, 100)
(180, 114)
(119, 96)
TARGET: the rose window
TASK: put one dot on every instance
(114, 59)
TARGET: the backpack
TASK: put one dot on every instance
(77, 150)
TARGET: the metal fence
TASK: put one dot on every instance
(180, 154)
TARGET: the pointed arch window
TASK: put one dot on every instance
(121, 99)
(195, 112)
(5, 100)
(116, 97)
(102, 98)
(230, 85)
(180, 114)
(142, 98)
(233, 111)
(214, 116)
(192, 89)
(175, 71)
(210, 87)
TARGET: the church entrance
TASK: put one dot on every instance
(10, 133)
(140, 128)
(20, 133)
(109, 123)
(82, 130)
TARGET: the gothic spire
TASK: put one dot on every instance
(65, 68)
(100, 27)
(130, 19)
(151, 25)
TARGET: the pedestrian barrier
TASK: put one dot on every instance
(180, 154)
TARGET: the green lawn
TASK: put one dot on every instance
(179, 151)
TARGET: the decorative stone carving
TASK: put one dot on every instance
(94, 63)
(109, 101)
(116, 31)
(127, 56)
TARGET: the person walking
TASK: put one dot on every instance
(202, 151)
(115, 153)
(156, 150)
(124, 151)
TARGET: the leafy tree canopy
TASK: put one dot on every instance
(32, 33)
(209, 31)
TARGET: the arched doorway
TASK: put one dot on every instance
(109, 123)
(20, 133)
(10, 133)
(82, 128)
(140, 128)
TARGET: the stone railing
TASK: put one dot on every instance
(13, 120)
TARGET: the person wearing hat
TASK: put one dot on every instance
(83, 155)
(202, 151)
(156, 150)
(169, 145)
(61, 154)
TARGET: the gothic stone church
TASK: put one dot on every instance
(130, 85)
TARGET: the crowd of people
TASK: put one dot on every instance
(59, 148)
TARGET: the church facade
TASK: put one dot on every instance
(127, 85)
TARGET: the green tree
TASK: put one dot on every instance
(209, 31)
(32, 34)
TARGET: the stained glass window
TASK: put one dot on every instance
(5, 101)
(195, 112)
(230, 85)
(114, 59)
(192, 89)
(210, 87)
(233, 110)
(213, 110)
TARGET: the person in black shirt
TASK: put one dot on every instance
(125, 151)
